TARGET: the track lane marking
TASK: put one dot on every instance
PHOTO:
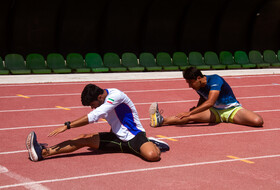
(101, 122)
(43, 126)
(136, 91)
(224, 133)
(22, 96)
(240, 159)
(136, 104)
(13, 152)
(27, 183)
(30, 127)
(167, 138)
(60, 107)
(112, 81)
(136, 171)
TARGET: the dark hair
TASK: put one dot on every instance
(192, 73)
(90, 93)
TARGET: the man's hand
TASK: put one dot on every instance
(58, 130)
(182, 115)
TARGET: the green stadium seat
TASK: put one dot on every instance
(75, 61)
(270, 57)
(95, 63)
(112, 60)
(227, 59)
(15, 63)
(129, 60)
(56, 62)
(196, 60)
(3, 70)
(257, 58)
(163, 59)
(36, 62)
(212, 59)
(180, 59)
(148, 61)
(242, 59)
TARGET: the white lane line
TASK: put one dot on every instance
(254, 97)
(145, 103)
(264, 111)
(26, 182)
(12, 152)
(238, 74)
(30, 127)
(186, 136)
(141, 119)
(224, 133)
(78, 94)
(42, 95)
(140, 91)
(95, 82)
(41, 109)
(138, 170)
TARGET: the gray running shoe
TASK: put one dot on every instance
(33, 147)
(156, 118)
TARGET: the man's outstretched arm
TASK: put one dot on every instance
(76, 123)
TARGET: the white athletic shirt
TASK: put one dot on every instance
(120, 113)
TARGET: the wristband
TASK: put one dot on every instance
(67, 123)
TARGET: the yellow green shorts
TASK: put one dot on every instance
(226, 115)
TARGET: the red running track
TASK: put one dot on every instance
(222, 156)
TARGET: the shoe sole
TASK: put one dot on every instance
(30, 147)
(152, 111)
(152, 138)
(153, 108)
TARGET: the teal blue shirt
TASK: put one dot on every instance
(226, 97)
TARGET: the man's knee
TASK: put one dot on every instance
(150, 152)
(258, 122)
(152, 156)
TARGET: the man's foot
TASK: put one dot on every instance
(33, 147)
(163, 146)
(156, 118)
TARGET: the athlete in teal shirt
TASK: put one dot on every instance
(217, 103)
(226, 98)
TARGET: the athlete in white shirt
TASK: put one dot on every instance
(119, 111)
(127, 133)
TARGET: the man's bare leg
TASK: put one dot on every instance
(203, 117)
(87, 140)
(247, 117)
